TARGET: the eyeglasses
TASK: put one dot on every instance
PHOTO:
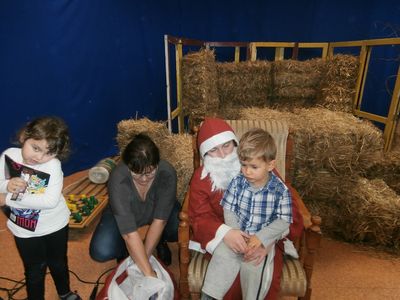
(147, 175)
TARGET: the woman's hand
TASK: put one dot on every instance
(236, 240)
(257, 254)
(137, 252)
(16, 185)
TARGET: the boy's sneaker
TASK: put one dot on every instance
(71, 296)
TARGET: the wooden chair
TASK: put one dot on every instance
(296, 275)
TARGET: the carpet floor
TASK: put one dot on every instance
(341, 271)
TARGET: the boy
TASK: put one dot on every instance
(258, 203)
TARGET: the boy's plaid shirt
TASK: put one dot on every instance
(257, 208)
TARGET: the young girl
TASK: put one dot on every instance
(31, 182)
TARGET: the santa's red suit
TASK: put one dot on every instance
(206, 213)
(206, 217)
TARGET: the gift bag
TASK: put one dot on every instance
(127, 282)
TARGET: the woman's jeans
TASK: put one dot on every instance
(107, 242)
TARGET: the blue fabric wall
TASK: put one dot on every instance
(97, 62)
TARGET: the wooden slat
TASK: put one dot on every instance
(178, 60)
(227, 44)
(84, 186)
(370, 116)
(87, 220)
(279, 53)
(184, 41)
(393, 114)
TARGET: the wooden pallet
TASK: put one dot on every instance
(85, 186)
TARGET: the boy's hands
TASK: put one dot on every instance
(236, 240)
(16, 185)
(253, 242)
(2, 199)
(256, 252)
(250, 245)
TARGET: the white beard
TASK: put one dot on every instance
(221, 170)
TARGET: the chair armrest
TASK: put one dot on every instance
(184, 253)
(302, 207)
(310, 241)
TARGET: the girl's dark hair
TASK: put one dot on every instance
(141, 154)
(52, 129)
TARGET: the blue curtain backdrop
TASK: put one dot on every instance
(95, 63)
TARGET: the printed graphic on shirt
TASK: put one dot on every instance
(25, 218)
(37, 182)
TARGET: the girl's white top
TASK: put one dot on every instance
(49, 206)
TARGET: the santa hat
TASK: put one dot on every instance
(212, 133)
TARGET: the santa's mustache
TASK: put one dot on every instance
(221, 170)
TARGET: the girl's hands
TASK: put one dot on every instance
(16, 185)
(236, 240)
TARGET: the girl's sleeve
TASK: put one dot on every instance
(3, 180)
(49, 197)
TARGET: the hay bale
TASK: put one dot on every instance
(178, 148)
(364, 211)
(229, 112)
(297, 83)
(388, 169)
(207, 85)
(329, 212)
(127, 129)
(329, 147)
(324, 140)
(319, 184)
(199, 84)
(244, 84)
(259, 113)
(174, 148)
(337, 141)
(396, 138)
(339, 84)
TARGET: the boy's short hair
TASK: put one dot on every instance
(257, 143)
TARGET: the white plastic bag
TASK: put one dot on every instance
(139, 287)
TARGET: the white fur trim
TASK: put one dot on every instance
(219, 235)
(216, 140)
(196, 246)
(290, 249)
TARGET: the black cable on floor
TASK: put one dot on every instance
(12, 291)
(96, 287)
(21, 283)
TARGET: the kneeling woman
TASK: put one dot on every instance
(142, 191)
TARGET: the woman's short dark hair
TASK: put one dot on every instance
(141, 154)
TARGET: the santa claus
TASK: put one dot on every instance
(217, 144)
